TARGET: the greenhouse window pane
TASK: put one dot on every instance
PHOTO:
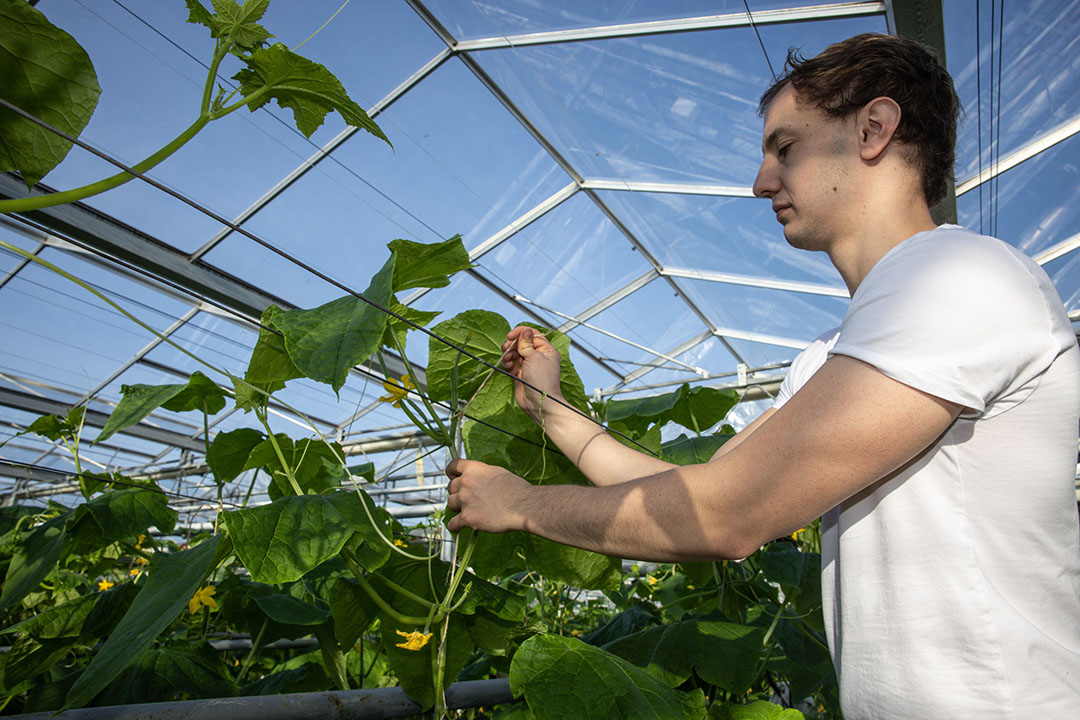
(728, 235)
(670, 108)
(1032, 206)
(1032, 95)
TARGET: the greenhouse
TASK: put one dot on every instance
(258, 262)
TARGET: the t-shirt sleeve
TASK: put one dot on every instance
(805, 364)
(966, 320)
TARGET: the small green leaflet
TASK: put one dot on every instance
(47, 74)
(282, 541)
(232, 18)
(428, 265)
(300, 85)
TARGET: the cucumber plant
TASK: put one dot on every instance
(575, 634)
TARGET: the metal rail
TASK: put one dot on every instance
(373, 704)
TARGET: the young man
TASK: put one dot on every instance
(935, 432)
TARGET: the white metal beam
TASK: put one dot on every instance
(610, 300)
(674, 352)
(1040, 144)
(667, 187)
(1062, 248)
(657, 27)
(761, 338)
(732, 279)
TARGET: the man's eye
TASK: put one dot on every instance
(782, 151)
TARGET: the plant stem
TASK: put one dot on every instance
(255, 647)
(375, 597)
(277, 451)
(80, 193)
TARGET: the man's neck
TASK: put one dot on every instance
(855, 254)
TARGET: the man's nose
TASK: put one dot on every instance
(766, 183)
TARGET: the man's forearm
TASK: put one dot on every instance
(661, 518)
(599, 456)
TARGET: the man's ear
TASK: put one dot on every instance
(877, 123)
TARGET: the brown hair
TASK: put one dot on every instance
(851, 73)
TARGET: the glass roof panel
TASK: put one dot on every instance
(1031, 206)
(1023, 92)
(722, 234)
(671, 108)
(468, 169)
(796, 316)
(651, 316)
(568, 260)
(468, 20)
(49, 322)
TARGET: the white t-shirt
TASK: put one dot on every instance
(951, 587)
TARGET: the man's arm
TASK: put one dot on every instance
(600, 457)
(847, 428)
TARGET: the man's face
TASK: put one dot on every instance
(806, 171)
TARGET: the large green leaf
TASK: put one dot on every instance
(298, 84)
(286, 609)
(565, 678)
(29, 657)
(685, 450)
(229, 452)
(481, 333)
(720, 653)
(428, 265)
(281, 541)
(60, 621)
(47, 74)
(140, 400)
(373, 525)
(163, 674)
(328, 341)
(119, 514)
(696, 409)
(200, 394)
(34, 559)
(313, 464)
(270, 366)
(170, 583)
(574, 566)
(702, 407)
(353, 611)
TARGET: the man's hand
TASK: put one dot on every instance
(528, 355)
(485, 497)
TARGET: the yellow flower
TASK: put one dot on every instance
(795, 535)
(413, 640)
(397, 390)
(104, 584)
(400, 543)
(202, 596)
(575, 633)
(651, 580)
(134, 572)
(140, 541)
(141, 561)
